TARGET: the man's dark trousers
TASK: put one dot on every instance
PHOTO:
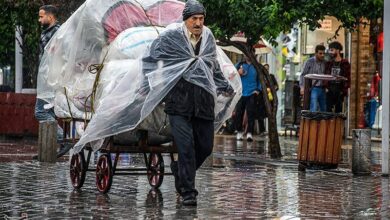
(194, 139)
(335, 98)
(247, 103)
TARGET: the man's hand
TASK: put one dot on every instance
(227, 92)
(256, 92)
(302, 91)
(241, 71)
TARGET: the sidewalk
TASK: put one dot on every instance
(17, 149)
(238, 182)
(23, 149)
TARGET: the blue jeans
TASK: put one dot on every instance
(317, 99)
(42, 114)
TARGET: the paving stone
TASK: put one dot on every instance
(237, 183)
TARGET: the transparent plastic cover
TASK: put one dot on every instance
(143, 51)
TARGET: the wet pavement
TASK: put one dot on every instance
(239, 182)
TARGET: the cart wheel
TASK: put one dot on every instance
(155, 170)
(78, 170)
(104, 173)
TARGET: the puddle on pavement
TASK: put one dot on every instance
(229, 147)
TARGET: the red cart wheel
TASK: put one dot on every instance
(104, 173)
(155, 170)
(77, 170)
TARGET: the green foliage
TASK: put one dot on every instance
(7, 47)
(268, 18)
(14, 14)
(24, 13)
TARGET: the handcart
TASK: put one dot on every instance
(111, 42)
(320, 135)
(106, 167)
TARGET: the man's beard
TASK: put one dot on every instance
(333, 56)
(45, 26)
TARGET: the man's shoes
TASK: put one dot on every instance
(190, 200)
(249, 137)
(240, 136)
(263, 134)
(175, 172)
(64, 148)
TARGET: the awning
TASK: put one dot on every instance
(233, 49)
(260, 48)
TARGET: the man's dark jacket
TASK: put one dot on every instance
(345, 71)
(46, 35)
(190, 100)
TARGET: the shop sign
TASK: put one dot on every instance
(326, 25)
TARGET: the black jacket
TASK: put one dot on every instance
(46, 35)
(185, 98)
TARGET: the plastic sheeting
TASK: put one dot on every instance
(139, 70)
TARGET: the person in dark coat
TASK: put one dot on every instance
(337, 66)
(49, 24)
(191, 101)
(43, 110)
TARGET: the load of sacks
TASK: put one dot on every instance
(113, 36)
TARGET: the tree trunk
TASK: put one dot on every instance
(273, 136)
(271, 108)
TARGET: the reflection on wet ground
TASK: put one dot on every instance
(228, 147)
(238, 182)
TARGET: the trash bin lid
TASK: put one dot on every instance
(321, 115)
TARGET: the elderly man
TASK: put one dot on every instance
(190, 102)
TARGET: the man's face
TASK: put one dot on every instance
(320, 55)
(333, 52)
(45, 19)
(195, 24)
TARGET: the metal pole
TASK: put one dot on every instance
(1, 77)
(385, 89)
(18, 61)
(349, 90)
